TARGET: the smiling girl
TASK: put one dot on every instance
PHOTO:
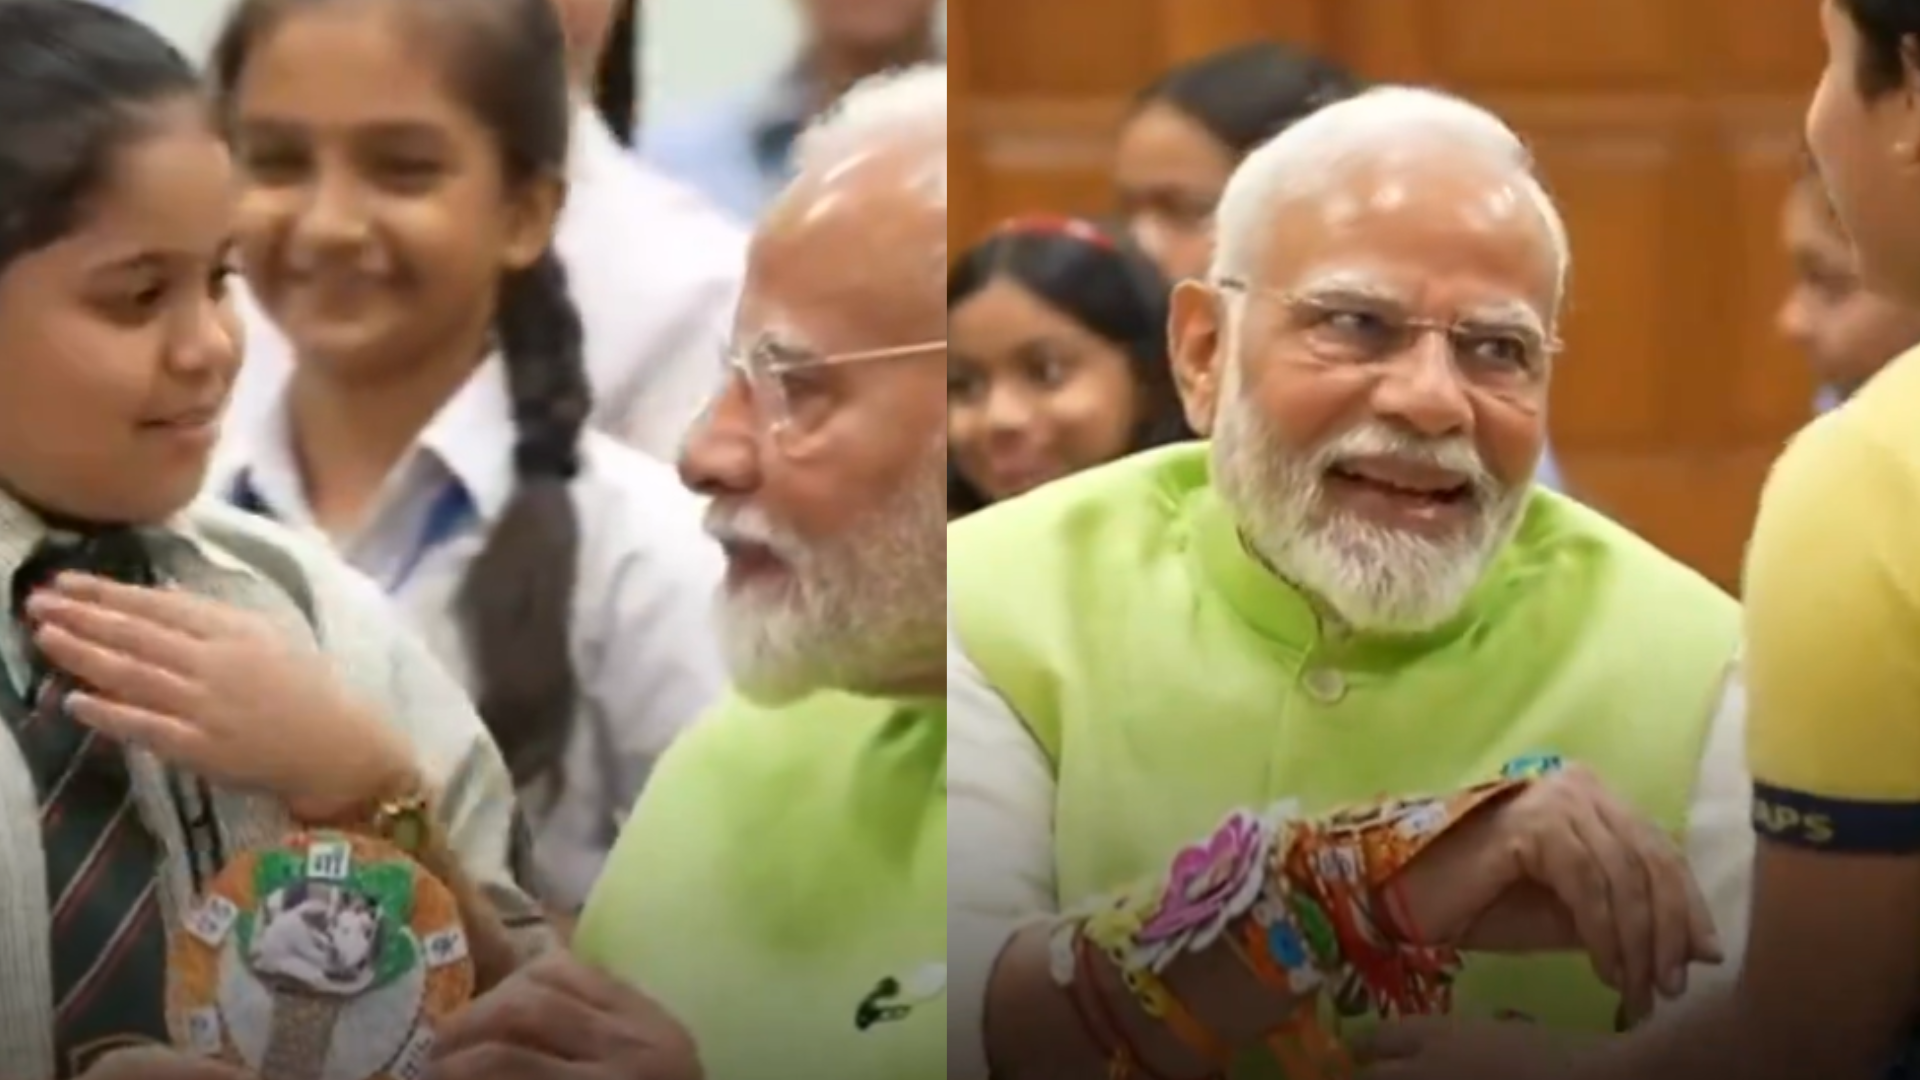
(181, 682)
(1059, 359)
(402, 165)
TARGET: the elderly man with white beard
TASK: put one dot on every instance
(781, 887)
(1352, 590)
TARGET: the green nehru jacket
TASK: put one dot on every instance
(782, 890)
(1165, 676)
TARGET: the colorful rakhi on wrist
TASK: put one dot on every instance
(1302, 903)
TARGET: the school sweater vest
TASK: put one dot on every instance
(782, 890)
(1169, 677)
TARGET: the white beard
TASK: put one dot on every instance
(860, 610)
(1373, 578)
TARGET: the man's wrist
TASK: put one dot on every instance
(1446, 888)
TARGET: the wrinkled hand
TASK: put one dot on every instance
(1565, 865)
(1463, 1050)
(220, 692)
(161, 1063)
(558, 1019)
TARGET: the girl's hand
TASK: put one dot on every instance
(220, 692)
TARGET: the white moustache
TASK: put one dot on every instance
(737, 524)
(1455, 454)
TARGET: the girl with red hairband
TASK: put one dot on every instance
(1057, 358)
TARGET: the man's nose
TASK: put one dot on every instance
(1422, 389)
(721, 455)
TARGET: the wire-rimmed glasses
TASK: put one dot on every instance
(791, 388)
(1355, 328)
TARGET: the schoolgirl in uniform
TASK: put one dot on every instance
(655, 268)
(180, 683)
(398, 208)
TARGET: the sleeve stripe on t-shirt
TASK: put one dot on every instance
(1843, 826)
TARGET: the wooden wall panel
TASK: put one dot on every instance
(1667, 130)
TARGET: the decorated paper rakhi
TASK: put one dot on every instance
(328, 957)
(1299, 901)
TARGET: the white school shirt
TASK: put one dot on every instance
(642, 638)
(655, 270)
(305, 592)
(1000, 844)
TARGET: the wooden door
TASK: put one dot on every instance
(1667, 129)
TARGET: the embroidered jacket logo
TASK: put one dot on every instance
(894, 998)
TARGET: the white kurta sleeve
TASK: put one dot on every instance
(999, 848)
(1719, 840)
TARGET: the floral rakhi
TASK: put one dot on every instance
(1302, 903)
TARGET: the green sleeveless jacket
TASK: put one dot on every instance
(1169, 677)
(782, 890)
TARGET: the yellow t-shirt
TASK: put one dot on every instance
(1833, 628)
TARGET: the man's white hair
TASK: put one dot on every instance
(1312, 155)
(906, 104)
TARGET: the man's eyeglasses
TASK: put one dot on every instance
(1350, 328)
(794, 391)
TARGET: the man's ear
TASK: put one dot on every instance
(1196, 341)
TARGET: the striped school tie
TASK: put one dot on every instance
(109, 947)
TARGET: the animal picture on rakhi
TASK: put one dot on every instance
(320, 937)
(330, 957)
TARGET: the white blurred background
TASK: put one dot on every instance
(696, 50)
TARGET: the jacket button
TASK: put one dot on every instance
(1325, 685)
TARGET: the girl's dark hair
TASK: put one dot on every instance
(1889, 35)
(1101, 282)
(616, 90)
(78, 82)
(1248, 94)
(507, 61)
